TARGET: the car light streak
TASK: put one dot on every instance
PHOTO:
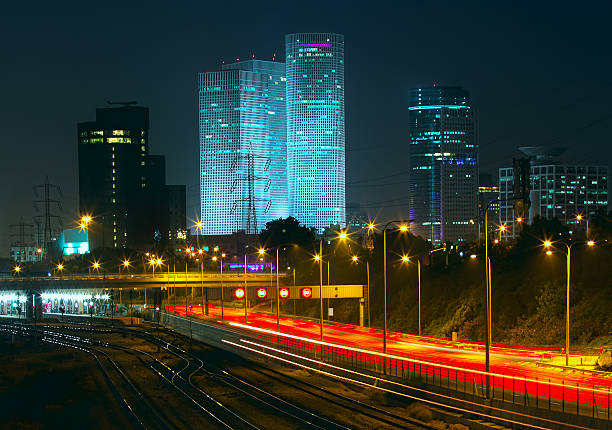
(355, 381)
(412, 360)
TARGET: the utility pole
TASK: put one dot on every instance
(251, 177)
(24, 237)
(43, 194)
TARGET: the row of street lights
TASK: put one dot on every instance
(403, 227)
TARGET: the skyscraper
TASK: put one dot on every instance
(112, 165)
(315, 128)
(120, 184)
(242, 119)
(443, 181)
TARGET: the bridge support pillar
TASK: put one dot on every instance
(362, 312)
(33, 306)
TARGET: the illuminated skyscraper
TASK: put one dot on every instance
(443, 181)
(315, 128)
(243, 159)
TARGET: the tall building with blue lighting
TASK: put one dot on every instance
(443, 183)
(315, 128)
(243, 155)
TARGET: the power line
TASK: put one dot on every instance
(46, 222)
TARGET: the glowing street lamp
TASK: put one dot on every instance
(548, 245)
(355, 259)
(17, 270)
(402, 228)
(406, 259)
(95, 265)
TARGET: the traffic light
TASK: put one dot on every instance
(284, 293)
(306, 292)
(262, 293)
(239, 293)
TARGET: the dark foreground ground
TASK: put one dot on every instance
(43, 386)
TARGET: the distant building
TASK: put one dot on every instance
(233, 245)
(487, 192)
(177, 219)
(242, 121)
(558, 190)
(316, 128)
(73, 241)
(121, 185)
(25, 254)
(443, 181)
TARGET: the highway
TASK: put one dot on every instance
(518, 364)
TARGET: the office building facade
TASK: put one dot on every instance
(112, 164)
(316, 128)
(443, 182)
(242, 123)
(560, 191)
(121, 185)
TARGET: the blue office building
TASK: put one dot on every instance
(242, 122)
(315, 128)
(443, 182)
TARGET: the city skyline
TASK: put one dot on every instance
(378, 83)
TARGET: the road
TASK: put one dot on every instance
(517, 361)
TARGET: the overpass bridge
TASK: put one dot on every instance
(79, 292)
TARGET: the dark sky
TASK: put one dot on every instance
(538, 74)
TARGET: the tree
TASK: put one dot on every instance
(542, 229)
(600, 227)
(286, 231)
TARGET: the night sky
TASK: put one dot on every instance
(538, 74)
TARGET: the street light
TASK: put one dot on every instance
(95, 265)
(261, 252)
(403, 228)
(125, 264)
(17, 270)
(214, 258)
(579, 218)
(548, 244)
(406, 259)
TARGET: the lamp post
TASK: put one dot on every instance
(579, 218)
(319, 258)
(403, 228)
(261, 252)
(245, 288)
(548, 244)
(126, 265)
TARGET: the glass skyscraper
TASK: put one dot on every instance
(443, 181)
(315, 128)
(242, 118)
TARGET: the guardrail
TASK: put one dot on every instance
(543, 396)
